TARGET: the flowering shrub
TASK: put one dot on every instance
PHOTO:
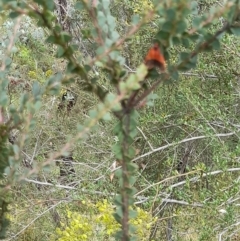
(101, 225)
(49, 73)
(106, 218)
(32, 74)
(79, 228)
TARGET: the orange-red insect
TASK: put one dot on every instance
(154, 58)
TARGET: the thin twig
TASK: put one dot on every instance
(34, 220)
(180, 142)
(11, 41)
(145, 138)
(199, 75)
(195, 179)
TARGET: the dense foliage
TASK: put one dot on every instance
(95, 144)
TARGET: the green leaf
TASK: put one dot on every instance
(118, 128)
(100, 50)
(37, 105)
(131, 149)
(50, 5)
(71, 67)
(101, 19)
(69, 50)
(130, 191)
(79, 6)
(80, 127)
(153, 96)
(111, 21)
(3, 99)
(185, 42)
(65, 37)
(94, 80)
(60, 52)
(4, 220)
(163, 35)
(132, 214)
(174, 73)
(132, 83)
(132, 180)
(117, 217)
(8, 61)
(119, 212)
(16, 119)
(216, 44)
(46, 168)
(194, 38)
(3, 74)
(110, 98)
(23, 100)
(116, 149)
(192, 62)
(153, 74)
(196, 23)
(58, 28)
(14, 14)
(16, 149)
(168, 26)
(93, 113)
(115, 36)
(75, 47)
(171, 14)
(107, 117)
(187, 62)
(183, 56)
(194, 7)
(36, 89)
(118, 173)
(4, 82)
(89, 68)
(15, 116)
(105, 28)
(231, 13)
(141, 72)
(118, 200)
(235, 30)
(176, 40)
(181, 26)
(132, 167)
(7, 171)
(114, 54)
(54, 83)
(135, 19)
(133, 238)
(51, 39)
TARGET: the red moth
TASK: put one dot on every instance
(154, 58)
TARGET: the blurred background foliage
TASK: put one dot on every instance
(186, 191)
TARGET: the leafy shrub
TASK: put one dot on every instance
(101, 225)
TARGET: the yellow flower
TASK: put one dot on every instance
(48, 73)
(32, 74)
